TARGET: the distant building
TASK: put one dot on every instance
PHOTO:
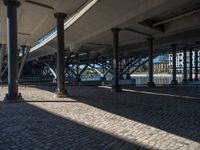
(160, 67)
(180, 60)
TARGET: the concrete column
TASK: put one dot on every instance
(115, 87)
(196, 66)
(13, 95)
(184, 65)
(150, 49)
(2, 53)
(23, 50)
(61, 91)
(174, 81)
(191, 64)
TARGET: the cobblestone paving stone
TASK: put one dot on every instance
(96, 119)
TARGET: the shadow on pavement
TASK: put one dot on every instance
(24, 126)
(176, 115)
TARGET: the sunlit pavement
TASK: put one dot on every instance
(96, 118)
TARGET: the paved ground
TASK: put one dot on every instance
(94, 118)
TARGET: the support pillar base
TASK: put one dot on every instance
(116, 89)
(60, 94)
(174, 82)
(13, 99)
(151, 84)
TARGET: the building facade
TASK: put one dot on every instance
(180, 61)
(161, 67)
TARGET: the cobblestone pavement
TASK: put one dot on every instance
(95, 118)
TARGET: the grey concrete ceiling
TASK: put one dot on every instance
(168, 21)
(36, 18)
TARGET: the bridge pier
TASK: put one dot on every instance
(23, 48)
(150, 49)
(174, 81)
(115, 86)
(2, 52)
(184, 65)
(191, 64)
(12, 95)
(61, 91)
(196, 66)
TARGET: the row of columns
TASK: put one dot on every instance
(151, 83)
(115, 86)
(185, 78)
(13, 95)
(61, 91)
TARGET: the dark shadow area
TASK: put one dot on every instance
(24, 126)
(177, 115)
